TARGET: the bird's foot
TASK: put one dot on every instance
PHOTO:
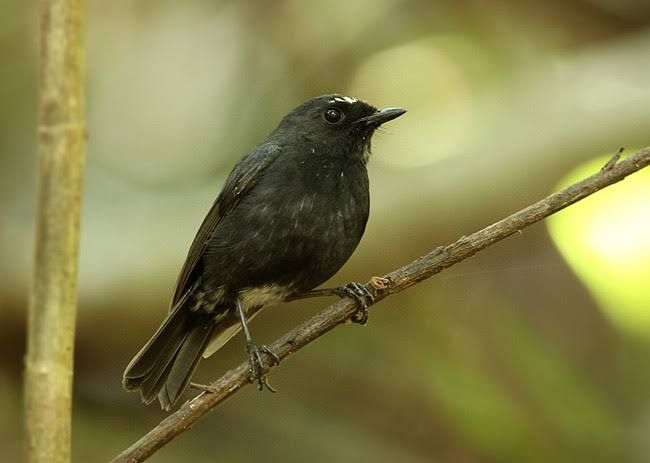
(361, 295)
(255, 365)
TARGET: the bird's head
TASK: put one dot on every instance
(342, 125)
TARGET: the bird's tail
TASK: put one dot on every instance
(164, 365)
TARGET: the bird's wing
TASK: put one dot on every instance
(244, 175)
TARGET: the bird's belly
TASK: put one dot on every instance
(293, 245)
(269, 294)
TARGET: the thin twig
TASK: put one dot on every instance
(614, 159)
(52, 307)
(396, 281)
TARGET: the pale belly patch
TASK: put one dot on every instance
(250, 297)
(263, 296)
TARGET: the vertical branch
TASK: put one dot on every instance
(51, 318)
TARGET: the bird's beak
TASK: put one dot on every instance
(382, 116)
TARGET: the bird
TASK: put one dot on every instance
(289, 215)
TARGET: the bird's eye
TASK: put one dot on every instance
(333, 115)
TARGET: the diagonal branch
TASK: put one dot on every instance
(394, 282)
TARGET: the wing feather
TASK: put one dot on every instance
(241, 179)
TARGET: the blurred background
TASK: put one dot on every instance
(535, 350)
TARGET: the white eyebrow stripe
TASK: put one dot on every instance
(344, 99)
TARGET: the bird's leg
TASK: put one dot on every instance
(254, 356)
(360, 293)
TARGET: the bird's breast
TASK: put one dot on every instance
(294, 230)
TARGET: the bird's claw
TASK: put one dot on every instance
(255, 365)
(361, 295)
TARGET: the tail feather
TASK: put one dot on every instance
(173, 328)
(158, 374)
(147, 362)
(180, 371)
(164, 366)
(169, 358)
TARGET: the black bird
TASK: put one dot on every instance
(289, 216)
